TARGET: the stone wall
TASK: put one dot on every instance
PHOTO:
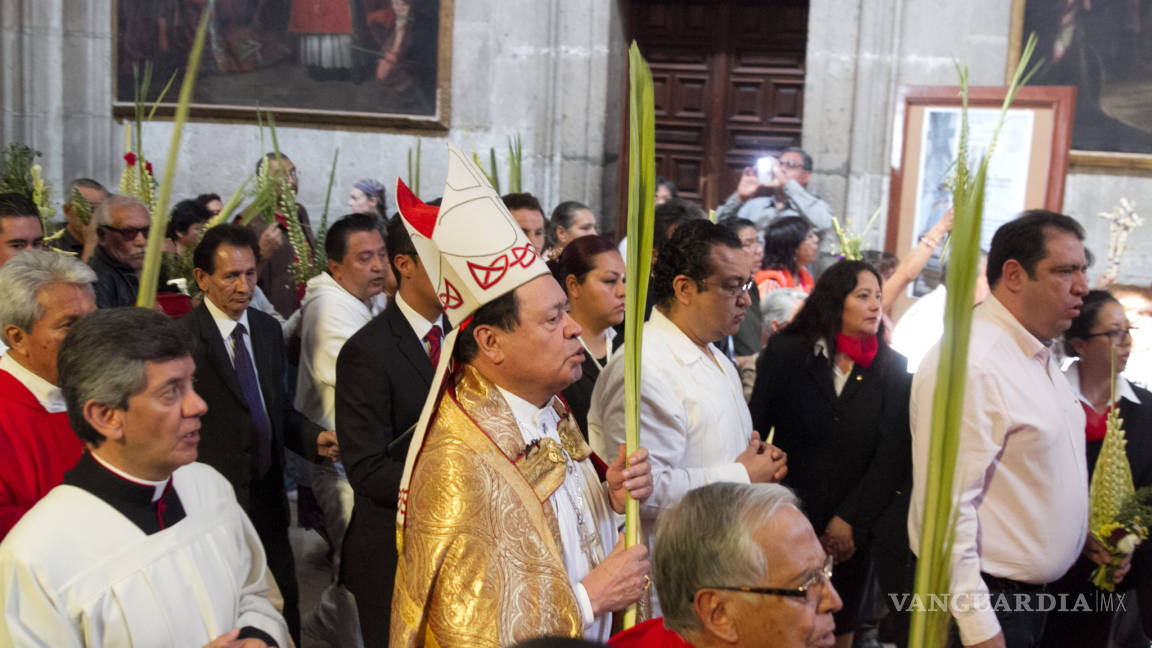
(546, 74)
(861, 51)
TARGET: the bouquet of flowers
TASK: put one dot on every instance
(1118, 515)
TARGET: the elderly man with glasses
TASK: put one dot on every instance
(739, 566)
(696, 424)
(122, 224)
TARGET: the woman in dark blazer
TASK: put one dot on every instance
(1101, 327)
(592, 273)
(837, 397)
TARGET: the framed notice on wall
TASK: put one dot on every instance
(1026, 171)
(375, 63)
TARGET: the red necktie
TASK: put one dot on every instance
(434, 336)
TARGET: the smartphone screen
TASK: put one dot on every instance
(766, 169)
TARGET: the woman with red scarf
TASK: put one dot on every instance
(837, 397)
(1101, 327)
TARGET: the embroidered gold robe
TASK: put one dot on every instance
(481, 561)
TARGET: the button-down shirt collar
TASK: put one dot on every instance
(1029, 344)
(49, 395)
(680, 345)
(420, 326)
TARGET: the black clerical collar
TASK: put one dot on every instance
(131, 499)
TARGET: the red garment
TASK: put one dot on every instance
(320, 17)
(36, 449)
(650, 634)
(1096, 423)
(783, 279)
(861, 350)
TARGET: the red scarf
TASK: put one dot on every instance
(1097, 423)
(861, 350)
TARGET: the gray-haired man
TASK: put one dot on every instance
(41, 295)
(770, 585)
(140, 545)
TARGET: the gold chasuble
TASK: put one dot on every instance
(482, 563)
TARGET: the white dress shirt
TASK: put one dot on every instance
(581, 491)
(330, 315)
(420, 326)
(693, 418)
(227, 325)
(47, 394)
(1020, 487)
(1072, 373)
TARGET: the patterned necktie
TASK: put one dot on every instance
(262, 428)
(434, 336)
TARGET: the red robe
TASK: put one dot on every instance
(649, 634)
(36, 449)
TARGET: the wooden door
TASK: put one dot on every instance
(729, 86)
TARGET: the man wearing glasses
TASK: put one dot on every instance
(122, 224)
(739, 565)
(696, 424)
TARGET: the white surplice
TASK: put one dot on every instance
(76, 572)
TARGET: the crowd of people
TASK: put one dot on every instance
(454, 381)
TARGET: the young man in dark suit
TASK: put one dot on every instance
(240, 373)
(383, 375)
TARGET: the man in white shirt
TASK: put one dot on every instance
(1021, 486)
(336, 305)
(693, 418)
(141, 545)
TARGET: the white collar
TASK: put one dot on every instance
(224, 322)
(158, 486)
(1123, 387)
(420, 326)
(527, 413)
(49, 395)
(1031, 345)
(682, 346)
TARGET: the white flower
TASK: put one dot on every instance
(1128, 544)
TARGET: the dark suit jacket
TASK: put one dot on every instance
(225, 432)
(383, 376)
(848, 455)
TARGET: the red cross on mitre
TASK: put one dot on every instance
(450, 297)
(489, 275)
(524, 255)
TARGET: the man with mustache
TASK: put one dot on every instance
(1020, 494)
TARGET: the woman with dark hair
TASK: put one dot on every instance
(570, 220)
(369, 197)
(790, 243)
(837, 397)
(184, 225)
(592, 273)
(1100, 328)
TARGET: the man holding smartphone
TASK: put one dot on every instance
(779, 187)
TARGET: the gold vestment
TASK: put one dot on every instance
(481, 563)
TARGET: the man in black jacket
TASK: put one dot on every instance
(240, 373)
(383, 375)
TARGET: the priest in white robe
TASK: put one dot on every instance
(140, 546)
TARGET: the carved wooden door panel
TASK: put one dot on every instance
(729, 86)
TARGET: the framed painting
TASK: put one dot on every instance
(373, 63)
(1102, 49)
(1026, 172)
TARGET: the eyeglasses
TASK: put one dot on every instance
(818, 579)
(128, 233)
(735, 291)
(792, 164)
(1117, 336)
